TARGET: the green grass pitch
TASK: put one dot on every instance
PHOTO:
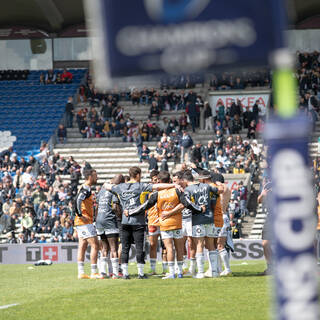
(54, 292)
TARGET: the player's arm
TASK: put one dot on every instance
(177, 209)
(83, 194)
(108, 186)
(143, 207)
(162, 186)
(185, 200)
(116, 207)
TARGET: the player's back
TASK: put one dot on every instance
(105, 200)
(131, 196)
(167, 200)
(199, 193)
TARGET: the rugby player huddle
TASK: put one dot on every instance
(191, 207)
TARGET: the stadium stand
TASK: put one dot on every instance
(31, 111)
(115, 153)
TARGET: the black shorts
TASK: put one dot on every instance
(108, 236)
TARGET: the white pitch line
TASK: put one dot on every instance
(9, 305)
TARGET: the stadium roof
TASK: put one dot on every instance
(51, 16)
(56, 16)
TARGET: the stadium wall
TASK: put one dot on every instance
(67, 252)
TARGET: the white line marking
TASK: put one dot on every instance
(9, 305)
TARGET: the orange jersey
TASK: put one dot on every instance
(153, 216)
(218, 212)
(167, 200)
(87, 209)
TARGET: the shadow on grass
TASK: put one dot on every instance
(248, 274)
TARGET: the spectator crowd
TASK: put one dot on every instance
(33, 198)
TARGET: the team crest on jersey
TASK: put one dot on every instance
(174, 11)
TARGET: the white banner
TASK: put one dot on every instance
(67, 252)
(246, 99)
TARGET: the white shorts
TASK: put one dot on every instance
(187, 227)
(222, 232)
(86, 231)
(153, 230)
(203, 230)
(101, 231)
(172, 234)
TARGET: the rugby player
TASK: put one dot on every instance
(170, 204)
(221, 220)
(177, 178)
(108, 228)
(267, 229)
(153, 228)
(84, 225)
(131, 195)
(202, 224)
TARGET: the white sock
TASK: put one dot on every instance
(219, 262)
(115, 266)
(109, 265)
(153, 263)
(180, 267)
(185, 262)
(140, 269)
(164, 266)
(124, 267)
(80, 267)
(200, 262)
(171, 268)
(213, 261)
(103, 265)
(192, 267)
(93, 268)
(225, 259)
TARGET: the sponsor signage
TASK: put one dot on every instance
(246, 100)
(146, 37)
(67, 252)
(292, 206)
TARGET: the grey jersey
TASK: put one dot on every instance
(106, 218)
(202, 194)
(131, 196)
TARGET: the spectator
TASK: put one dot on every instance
(144, 153)
(154, 111)
(62, 133)
(153, 164)
(66, 76)
(67, 232)
(192, 112)
(27, 177)
(236, 124)
(69, 112)
(183, 121)
(27, 224)
(56, 232)
(50, 77)
(54, 208)
(186, 144)
(145, 132)
(44, 223)
(208, 117)
(252, 130)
